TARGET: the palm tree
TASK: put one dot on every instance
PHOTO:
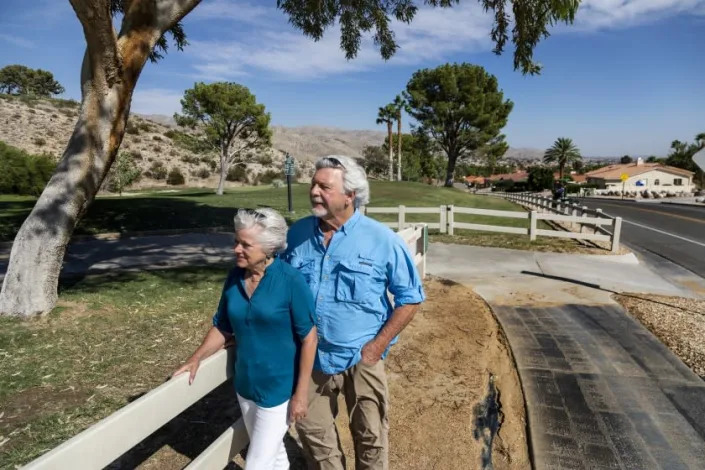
(700, 140)
(562, 152)
(399, 104)
(387, 115)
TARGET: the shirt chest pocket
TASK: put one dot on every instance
(356, 282)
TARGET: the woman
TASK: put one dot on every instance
(267, 309)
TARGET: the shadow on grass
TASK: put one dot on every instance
(94, 283)
(138, 214)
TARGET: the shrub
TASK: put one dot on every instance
(22, 173)
(175, 177)
(170, 133)
(157, 138)
(268, 176)
(17, 116)
(278, 183)
(50, 133)
(144, 127)
(173, 153)
(157, 171)
(132, 129)
(264, 160)
(39, 141)
(203, 173)
(191, 159)
(136, 154)
(237, 173)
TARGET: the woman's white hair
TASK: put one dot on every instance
(354, 176)
(274, 228)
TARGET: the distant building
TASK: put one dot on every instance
(642, 177)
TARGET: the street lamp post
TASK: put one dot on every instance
(289, 171)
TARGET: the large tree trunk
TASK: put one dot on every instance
(224, 167)
(109, 73)
(452, 158)
(30, 286)
(391, 151)
(399, 148)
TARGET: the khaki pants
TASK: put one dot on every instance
(365, 391)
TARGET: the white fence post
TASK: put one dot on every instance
(451, 219)
(532, 226)
(616, 233)
(401, 218)
(443, 221)
(599, 214)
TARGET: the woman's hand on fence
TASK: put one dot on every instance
(191, 367)
(298, 407)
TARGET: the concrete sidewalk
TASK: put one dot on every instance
(601, 391)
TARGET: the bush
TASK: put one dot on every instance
(268, 176)
(203, 173)
(157, 171)
(190, 159)
(132, 129)
(144, 127)
(237, 173)
(175, 177)
(170, 133)
(264, 160)
(22, 173)
(157, 138)
(39, 141)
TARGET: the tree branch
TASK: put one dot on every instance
(101, 40)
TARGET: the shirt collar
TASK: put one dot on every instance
(345, 228)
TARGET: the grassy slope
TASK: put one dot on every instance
(199, 208)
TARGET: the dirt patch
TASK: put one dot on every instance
(678, 322)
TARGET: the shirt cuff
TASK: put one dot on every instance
(413, 295)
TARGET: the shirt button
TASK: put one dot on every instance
(325, 277)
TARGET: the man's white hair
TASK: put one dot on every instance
(354, 176)
(274, 228)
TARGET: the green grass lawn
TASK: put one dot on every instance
(201, 208)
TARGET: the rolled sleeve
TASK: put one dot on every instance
(404, 280)
(302, 306)
(220, 318)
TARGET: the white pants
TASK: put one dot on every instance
(266, 428)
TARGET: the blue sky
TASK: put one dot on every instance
(627, 78)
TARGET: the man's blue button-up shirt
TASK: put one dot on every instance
(349, 280)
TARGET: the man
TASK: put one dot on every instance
(350, 261)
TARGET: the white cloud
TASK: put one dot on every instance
(276, 50)
(156, 101)
(232, 10)
(289, 55)
(18, 41)
(605, 14)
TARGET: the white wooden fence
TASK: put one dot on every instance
(111, 437)
(540, 209)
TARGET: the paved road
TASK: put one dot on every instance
(676, 233)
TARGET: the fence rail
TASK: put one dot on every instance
(105, 441)
(574, 215)
(539, 209)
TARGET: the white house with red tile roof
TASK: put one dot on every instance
(643, 176)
